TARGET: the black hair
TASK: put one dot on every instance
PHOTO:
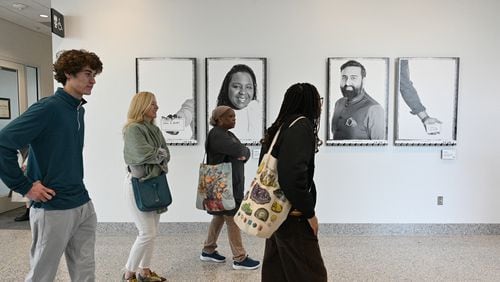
(353, 63)
(223, 98)
(301, 99)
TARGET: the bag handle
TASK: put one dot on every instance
(205, 156)
(278, 133)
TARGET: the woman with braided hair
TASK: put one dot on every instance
(292, 253)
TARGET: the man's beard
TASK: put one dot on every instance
(350, 94)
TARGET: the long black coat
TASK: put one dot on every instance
(295, 151)
(223, 146)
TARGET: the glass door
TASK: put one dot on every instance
(13, 101)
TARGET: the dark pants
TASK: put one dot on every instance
(292, 254)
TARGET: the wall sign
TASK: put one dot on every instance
(4, 108)
(57, 22)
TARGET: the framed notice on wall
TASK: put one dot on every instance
(4, 108)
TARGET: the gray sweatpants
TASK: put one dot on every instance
(56, 231)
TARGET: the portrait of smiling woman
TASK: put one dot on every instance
(239, 84)
(238, 88)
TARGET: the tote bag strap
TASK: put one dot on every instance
(297, 119)
(205, 156)
(274, 141)
(204, 160)
(278, 133)
(276, 137)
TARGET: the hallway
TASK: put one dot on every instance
(347, 258)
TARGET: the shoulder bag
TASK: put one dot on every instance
(264, 207)
(152, 194)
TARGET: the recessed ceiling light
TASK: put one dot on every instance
(19, 6)
(44, 16)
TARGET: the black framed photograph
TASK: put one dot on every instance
(357, 101)
(173, 81)
(239, 83)
(427, 101)
(4, 108)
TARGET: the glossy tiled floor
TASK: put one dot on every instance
(348, 258)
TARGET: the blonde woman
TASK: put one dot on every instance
(146, 155)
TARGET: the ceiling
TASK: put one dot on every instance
(28, 15)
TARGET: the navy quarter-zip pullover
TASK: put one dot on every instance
(54, 129)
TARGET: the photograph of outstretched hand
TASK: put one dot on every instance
(427, 101)
(173, 81)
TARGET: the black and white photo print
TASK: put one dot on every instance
(357, 101)
(239, 83)
(426, 101)
(173, 81)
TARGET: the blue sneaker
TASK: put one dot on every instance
(212, 257)
(247, 263)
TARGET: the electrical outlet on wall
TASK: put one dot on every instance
(440, 200)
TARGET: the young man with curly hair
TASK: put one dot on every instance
(62, 216)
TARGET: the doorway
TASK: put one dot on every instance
(19, 88)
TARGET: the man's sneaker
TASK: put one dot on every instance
(247, 264)
(212, 257)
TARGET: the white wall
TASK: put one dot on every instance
(23, 46)
(355, 185)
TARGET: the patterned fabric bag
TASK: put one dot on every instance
(215, 187)
(264, 207)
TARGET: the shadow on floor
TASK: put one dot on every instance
(7, 220)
